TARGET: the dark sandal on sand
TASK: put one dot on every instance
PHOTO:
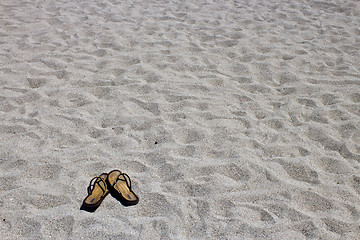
(97, 191)
(120, 186)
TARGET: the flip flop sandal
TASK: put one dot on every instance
(97, 191)
(120, 187)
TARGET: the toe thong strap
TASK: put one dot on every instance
(127, 179)
(92, 184)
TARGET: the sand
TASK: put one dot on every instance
(234, 119)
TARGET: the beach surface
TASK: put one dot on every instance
(234, 119)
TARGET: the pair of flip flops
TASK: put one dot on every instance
(116, 183)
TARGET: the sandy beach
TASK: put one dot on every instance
(234, 119)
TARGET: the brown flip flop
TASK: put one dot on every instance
(97, 191)
(120, 187)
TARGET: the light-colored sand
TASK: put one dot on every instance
(235, 120)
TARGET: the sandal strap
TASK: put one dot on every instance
(127, 179)
(97, 181)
